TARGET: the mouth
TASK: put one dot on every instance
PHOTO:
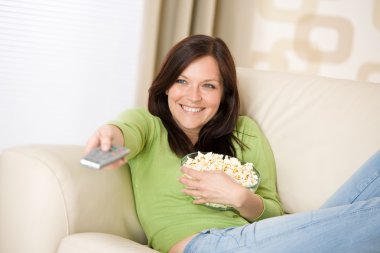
(192, 109)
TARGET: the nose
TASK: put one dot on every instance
(194, 94)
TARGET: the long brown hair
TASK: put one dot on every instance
(217, 135)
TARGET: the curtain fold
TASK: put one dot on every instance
(179, 19)
(165, 23)
(269, 35)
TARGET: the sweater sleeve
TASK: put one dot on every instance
(268, 189)
(260, 153)
(136, 126)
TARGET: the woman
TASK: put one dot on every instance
(193, 106)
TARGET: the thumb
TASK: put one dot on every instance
(105, 137)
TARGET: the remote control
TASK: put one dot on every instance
(98, 158)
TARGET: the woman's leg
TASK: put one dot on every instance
(363, 184)
(348, 222)
(341, 229)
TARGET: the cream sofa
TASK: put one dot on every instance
(320, 129)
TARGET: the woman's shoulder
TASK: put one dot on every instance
(246, 124)
(247, 127)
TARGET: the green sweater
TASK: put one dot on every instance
(165, 213)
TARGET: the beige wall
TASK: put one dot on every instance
(335, 38)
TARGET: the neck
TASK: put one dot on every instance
(193, 136)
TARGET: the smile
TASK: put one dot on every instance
(191, 109)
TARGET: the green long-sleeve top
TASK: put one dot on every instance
(165, 213)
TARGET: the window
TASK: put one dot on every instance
(66, 67)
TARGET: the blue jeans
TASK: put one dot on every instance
(348, 222)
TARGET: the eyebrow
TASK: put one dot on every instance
(207, 80)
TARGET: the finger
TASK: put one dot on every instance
(105, 136)
(192, 192)
(116, 164)
(188, 182)
(92, 143)
(102, 137)
(191, 172)
(199, 200)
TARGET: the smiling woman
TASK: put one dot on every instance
(205, 70)
(194, 99)
(193, 106)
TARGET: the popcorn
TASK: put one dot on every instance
(244, 174)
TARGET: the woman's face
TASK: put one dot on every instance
(195, 96)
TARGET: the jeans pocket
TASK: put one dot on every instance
(206, 231)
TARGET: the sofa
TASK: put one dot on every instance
(320, 129)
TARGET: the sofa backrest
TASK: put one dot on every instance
(320, 130)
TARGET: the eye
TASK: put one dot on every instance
(181, 81)
(209, 86)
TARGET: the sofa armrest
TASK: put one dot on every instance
(100, 243)
(45, 195)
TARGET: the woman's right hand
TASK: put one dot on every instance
(105, 137)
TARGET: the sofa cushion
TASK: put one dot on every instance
(100, 243)
(320, 129)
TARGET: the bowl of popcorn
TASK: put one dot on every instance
(243, 173)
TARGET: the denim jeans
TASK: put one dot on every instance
(348, 222)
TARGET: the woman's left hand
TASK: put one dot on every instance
(211, 186)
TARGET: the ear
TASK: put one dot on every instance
(167, 92)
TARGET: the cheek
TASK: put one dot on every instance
(173, 93)
(214, 101)
(172, 98)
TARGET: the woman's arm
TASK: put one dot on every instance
(217, 187)
(249, 205)
(214, 187)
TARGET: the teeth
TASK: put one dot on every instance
(191, 109)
